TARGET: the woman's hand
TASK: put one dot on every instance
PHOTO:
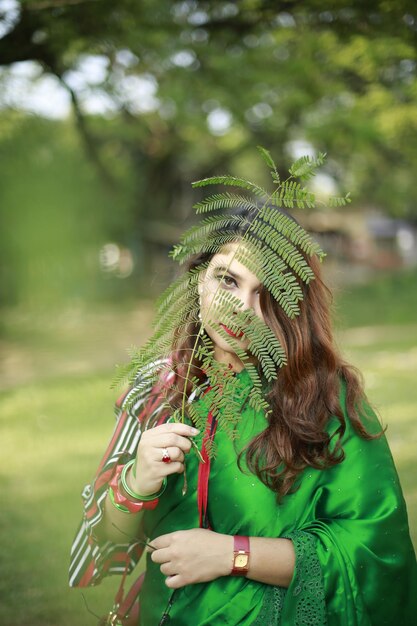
(150, 469)
(193, 556)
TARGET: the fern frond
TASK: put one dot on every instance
(181, 253)
(339, 201)
(225, 200)
(284, 249)
(211, 226)
(293, 231)
(284, 287)
(180, 289)
(274, 248)
(262, 342)
(266, 155)
(258, 402)
(306, 166)
(232, 181)
(292, 195)
(122, 375)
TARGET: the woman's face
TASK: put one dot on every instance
(225, 274)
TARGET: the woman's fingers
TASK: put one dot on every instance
(161, 555)
(174, 453)
(160, 453)
(174, 428)
(167, 569)
(174, 582)
(170, 440)
(173, 468)
(167, 435)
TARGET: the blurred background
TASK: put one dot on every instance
(108, 112)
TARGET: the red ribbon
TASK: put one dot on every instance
(204, 472)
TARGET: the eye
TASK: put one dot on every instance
(226, 280)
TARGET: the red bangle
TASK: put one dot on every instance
(241, 555)
(133, 506)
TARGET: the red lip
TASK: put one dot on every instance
(231, 333)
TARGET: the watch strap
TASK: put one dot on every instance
(241, 547)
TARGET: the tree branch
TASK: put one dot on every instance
(88, 141)
(54, 4)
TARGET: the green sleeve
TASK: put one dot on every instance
(304, 601)
(359, 518)
(305, 598)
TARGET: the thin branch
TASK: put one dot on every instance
(88, 141)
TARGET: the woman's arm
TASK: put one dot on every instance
(98, 544)
(199, 555)
(117, 525)
(272, 561)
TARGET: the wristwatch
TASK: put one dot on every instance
(241, 556)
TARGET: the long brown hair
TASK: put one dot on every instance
(305, 395)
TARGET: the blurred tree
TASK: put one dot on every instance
(187, 89)
(341, 75)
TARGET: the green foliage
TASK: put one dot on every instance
(305, 167)
(232, 181)
(224, 201)
(339, 201)
(272, 246)
(293, 231)
(342, 81)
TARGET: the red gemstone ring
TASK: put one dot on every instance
(165, 456)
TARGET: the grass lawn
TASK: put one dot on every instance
(52, 436)
(55, 426)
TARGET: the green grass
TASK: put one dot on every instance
(55, 426)
(52, 436)
(387, 357)
(390, 299)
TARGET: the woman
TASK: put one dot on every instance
(299, 519)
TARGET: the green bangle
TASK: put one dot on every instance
(119, 507)
(137, 496)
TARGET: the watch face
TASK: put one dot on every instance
(241, 560)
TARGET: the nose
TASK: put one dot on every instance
(248, 300)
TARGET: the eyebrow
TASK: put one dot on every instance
(222, 268)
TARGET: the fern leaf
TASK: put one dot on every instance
(212, 225)
(274, 248)
(305, 167)
(339, 201)
(232, 181)
(284, 248)
(225, 201)
(183, 252)
(293, 231)
(292, 195)
(266, 155)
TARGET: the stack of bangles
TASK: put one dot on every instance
(132, 502)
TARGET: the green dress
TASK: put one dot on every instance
(348, 525)
(355, 564)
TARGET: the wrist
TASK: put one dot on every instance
(136, 483)
(124, 498)
(226, 550)
(136, 486)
